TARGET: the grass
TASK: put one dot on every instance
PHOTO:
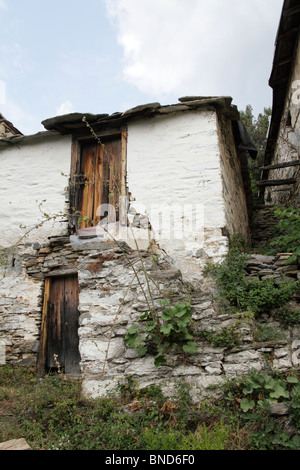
(50, 414)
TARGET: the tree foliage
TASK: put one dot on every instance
(258, 130)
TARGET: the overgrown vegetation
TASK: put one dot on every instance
(258, 130)
(227, 337)
(51, 414)
(286, 233)
(241, 293)
(252, 401)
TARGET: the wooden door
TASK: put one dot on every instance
(101, 170)
(59, 337)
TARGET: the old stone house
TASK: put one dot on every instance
(7, 129)
(280, 182)
(105, 215)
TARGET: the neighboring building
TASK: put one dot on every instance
(7, 129)
(177, 173)
(280, 182)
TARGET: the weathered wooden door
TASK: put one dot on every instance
(101, 170)
(60, 325)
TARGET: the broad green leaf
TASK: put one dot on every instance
(248, 389)
(144, 316)
(133, 329)
(142, 350)
(167, 314)
(247, 405)
(133, 341)
(292, 380)
(166, 329)
(159, 358)
(151, 327)
(190, 347)
(279, 391)
(164, 302)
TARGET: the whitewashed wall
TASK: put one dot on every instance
(174, 162)
(31, 173)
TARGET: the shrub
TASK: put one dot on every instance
(249, 399)
(249, 294)
(288, 230)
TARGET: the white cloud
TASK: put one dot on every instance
(3, 5)
(215, 47)
(20, 118)
(65, 108)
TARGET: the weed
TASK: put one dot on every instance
(161, 334)
(249, 399)
(227, 337)
(288, 316)
(249, 294)
(288, 232)
(51, 414)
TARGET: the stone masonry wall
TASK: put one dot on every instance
(21, 300)
(111, 300)
(288, 145)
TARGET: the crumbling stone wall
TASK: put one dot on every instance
(234, 184)
(288, 145)
(22, 288)
(111, 300)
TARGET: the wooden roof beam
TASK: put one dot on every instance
(276, 182)
(281, 165)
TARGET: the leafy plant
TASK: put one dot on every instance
(288, 316)
(159, 335)
(262, 295)
(267, 332)
(288, 230)
(251, 397)
(249, 294)
(227, 337)
(216, 438)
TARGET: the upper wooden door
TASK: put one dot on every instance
(101, 172)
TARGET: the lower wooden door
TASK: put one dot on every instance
(60, 342)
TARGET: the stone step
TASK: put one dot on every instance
(15, 444)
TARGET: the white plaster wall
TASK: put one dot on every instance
(30, 174)
(174, 162)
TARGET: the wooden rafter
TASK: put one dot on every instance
(276, 182)
(281, 165)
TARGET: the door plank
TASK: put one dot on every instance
(55, 353)
(103, 167)
(41, 362)
(88, 172)
(98, 182)
(70, 326)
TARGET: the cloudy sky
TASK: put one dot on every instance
(103, 56)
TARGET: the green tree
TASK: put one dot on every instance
(258, 130)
